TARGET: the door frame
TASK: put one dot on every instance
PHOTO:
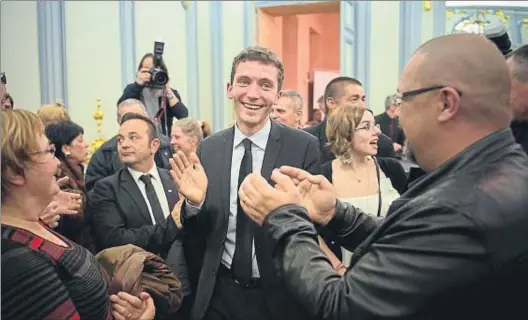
(362, 21)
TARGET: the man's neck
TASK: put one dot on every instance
(143, 167)
(248, 131)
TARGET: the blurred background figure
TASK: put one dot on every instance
(497, 33)
(288, 109)
(390, 125)
(186, 134)
(5, 99)
(52, 113)
(72, 151)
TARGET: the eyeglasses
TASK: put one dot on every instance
(368, 127)
(400, 97)
(51, 150)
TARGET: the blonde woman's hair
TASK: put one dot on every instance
(341, 125)
(52, 113)
(20, 130)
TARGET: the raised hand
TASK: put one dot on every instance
(63, 203)
(190, 177)
(129, 307)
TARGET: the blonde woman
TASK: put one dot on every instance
(360, 178)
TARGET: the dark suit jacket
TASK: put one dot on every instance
(121, 216)
(385, 148)
(286, 146)
(391, 127)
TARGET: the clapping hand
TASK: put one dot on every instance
(292, 186)
(317, 194)
(190, 177)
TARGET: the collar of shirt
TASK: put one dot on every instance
(260, 138)
(153, 172)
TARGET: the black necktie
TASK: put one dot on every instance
(243, 257)
(152, 197)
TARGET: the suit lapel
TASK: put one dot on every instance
(130, 187)
(225, 169)
(170, 188)
(272, 150)
(263, 248)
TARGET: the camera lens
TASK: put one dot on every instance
(161, 78)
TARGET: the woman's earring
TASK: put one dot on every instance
(346, 158)
(67, 153)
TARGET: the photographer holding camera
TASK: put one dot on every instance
(152, 83)
(5, 99)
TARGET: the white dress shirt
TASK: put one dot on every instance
(158, 187)
(259, 140)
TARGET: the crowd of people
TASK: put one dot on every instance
(269, 220)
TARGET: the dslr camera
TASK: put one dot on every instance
(158, 76)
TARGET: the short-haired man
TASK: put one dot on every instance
(518, 64)
(136, 204)
(390, 125)
(186, 135)
(289, 109)
(238, 279)
(452, 247)
(337, 92)
(105, 161)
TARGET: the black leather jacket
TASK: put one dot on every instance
(105, 161)
(454, 246)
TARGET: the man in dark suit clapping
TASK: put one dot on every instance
(238, 279)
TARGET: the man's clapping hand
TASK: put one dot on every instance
(190, 177)
(292, 186)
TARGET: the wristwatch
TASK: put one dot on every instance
(170, 96)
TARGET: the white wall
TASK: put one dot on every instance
(204, 63)
(233, 36)
(19, 52)
(164, 21)
(384, 52)
(93, 53)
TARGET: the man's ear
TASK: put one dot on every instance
(449, 106)
(229, 89)
(154, 145)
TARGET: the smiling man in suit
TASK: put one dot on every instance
(238, 279)
(136, 204)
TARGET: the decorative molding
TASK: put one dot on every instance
(127, 32)
(52, 51)
(410, 30)
(439, 18)
(363, 41)
(185, 4)
(191, 35)
(347, 38)
(249, 23)
(264, 4)
(217, 62)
